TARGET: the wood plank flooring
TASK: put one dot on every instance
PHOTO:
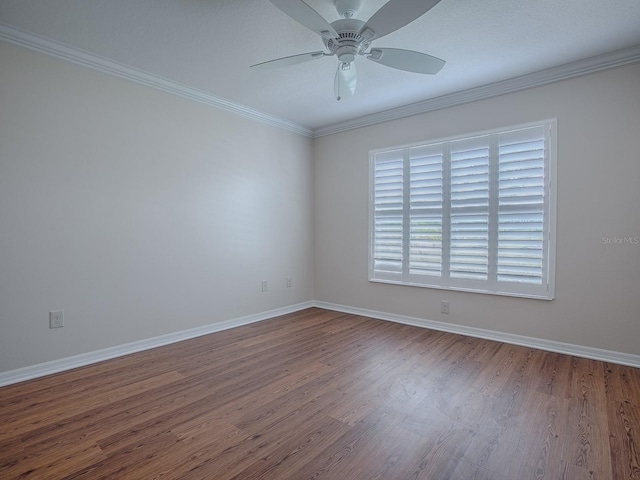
(325, 395)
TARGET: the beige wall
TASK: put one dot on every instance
(141, 213)
(138, 213)
(597, 285)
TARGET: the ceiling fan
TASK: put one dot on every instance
(349, 37)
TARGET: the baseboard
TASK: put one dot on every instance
(57, 366)
(549, 345)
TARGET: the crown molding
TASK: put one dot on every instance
(562, 72)
(515, 84)
(40, 44)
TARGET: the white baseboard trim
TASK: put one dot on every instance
(57, 366)
(548, 345)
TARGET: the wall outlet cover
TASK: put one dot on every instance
(56, 319)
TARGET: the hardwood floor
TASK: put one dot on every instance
(324, 395)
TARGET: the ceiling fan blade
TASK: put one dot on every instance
(346, 80)
(393, 15)
(406, 60)
(307, 16)
(292, 60)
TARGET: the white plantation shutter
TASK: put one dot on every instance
(521, 206)
(471, 213)
(388, 207)
(425, 205)
(469, 247)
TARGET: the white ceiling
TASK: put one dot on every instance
(208, 45)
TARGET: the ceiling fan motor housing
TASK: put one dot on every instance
(349, 42)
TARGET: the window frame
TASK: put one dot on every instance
(545, 291)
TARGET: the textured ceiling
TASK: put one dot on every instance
(209, 44)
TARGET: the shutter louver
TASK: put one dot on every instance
(521, 202)
(425, 210)
(388, 208)
(469, 250)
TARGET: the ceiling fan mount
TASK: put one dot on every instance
(349, 37)
(347, 8)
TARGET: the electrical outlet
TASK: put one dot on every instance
(56, 319)
(444, 306)
(265, 286)
(289, 282)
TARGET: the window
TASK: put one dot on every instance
(474, 213)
